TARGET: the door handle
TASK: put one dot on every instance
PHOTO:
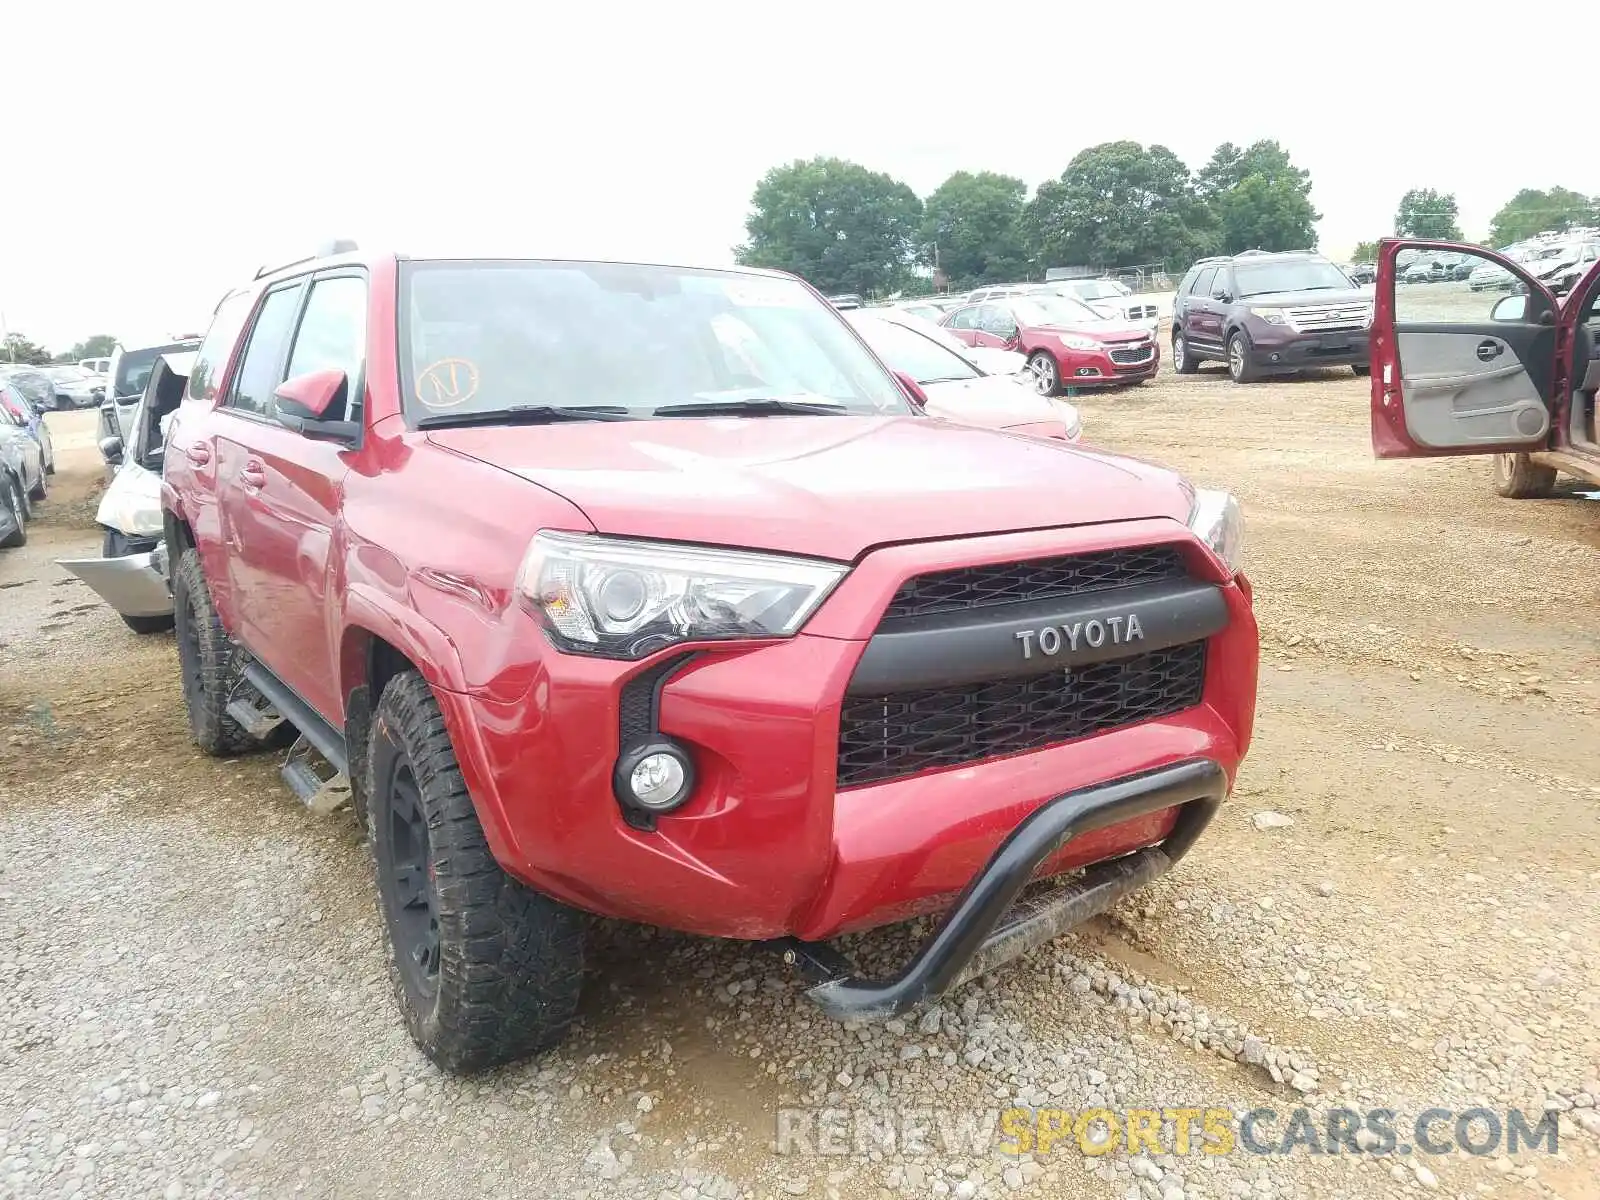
(198, 454)
(253, 474)
(1489, 349)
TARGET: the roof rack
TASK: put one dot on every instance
(327, 249)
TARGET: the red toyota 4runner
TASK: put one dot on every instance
(1515, 376)
(650, 592)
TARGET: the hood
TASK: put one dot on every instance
(1119, 329)
(992, 402)
(1315, 297)
(829, 487)
(993, 361)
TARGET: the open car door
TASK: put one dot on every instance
(1458, 371)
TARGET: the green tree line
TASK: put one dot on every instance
(17, 348)
(847, 228)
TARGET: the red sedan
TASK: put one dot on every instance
(1068, 344)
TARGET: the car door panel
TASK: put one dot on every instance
(1447, 377)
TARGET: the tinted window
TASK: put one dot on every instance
(1202, 282)
(1188, 283)
(333, 331)
(1298, 275)
(922, 358)
(261, 369)
(1223, 282)
(211, 360)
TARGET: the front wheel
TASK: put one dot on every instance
(1046, 373)
(1240, 368)
(485, 969)
(1182, 361)
(1518, 477)
(11, 497)
(41, 488)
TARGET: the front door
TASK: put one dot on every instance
(1456, 371)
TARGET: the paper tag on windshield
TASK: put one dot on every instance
(765, 293)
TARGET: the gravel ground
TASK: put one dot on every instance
(1398, 909)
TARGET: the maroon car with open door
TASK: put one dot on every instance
(1515, 376)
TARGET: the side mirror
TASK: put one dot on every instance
(1510, 308)
(912, 389)
(1223, 296)
(111, 450)
(304, 403)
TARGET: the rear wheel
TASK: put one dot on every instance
(211, 664)
(1518, 477)
(1046, 373)
(40, 489)
(485, 969)
(1183, 362)
(1240, 368)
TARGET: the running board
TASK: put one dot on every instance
(258, 720)
(322, 791)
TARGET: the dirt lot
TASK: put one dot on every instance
(194, 1000)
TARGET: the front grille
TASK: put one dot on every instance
(1139, 354)
(1330, 319)
(884, 737)
(1141, 312)
(1036, 579)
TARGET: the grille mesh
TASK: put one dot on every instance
(1035, 579)
(884, 737)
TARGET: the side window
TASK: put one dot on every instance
(1223, 282)
(211, 360)
(1202, 282)
(261, 369)
(333, 331)
(1187, 285)
(965, 318)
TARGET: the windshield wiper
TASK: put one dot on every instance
(752, 407)
(527, 414)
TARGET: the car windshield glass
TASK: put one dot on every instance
(922, 358)
(1053, 310)
(1095, 289)
(1306, 275)
(486, 335)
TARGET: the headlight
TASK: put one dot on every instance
(1218, 521)
(1073, 341)
(1272, 316)
(623, 599)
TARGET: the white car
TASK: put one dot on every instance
(1115, 300)
(988, 359)
(131, 574)
(961, 392)
(129, 373)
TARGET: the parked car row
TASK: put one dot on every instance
(55, 387)
(27, 460)
(787, 623)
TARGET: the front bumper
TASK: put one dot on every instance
(1103, 368)
(134, 585)
(1277, 348)
(771, 845)
(988, 926)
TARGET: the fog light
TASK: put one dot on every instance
(656, 777)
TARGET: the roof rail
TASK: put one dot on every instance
(326, 250)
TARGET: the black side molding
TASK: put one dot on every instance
(982, 930)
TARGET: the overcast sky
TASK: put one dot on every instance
(158, 152)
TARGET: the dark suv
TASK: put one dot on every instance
(1267, 314)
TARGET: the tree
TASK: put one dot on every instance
(1425, 213)
(1261, 199)
(972, 221)
(835, 224)
(1119, 204)
(18, 349)
(99, 346)
(1533, 211)
(1365, 252)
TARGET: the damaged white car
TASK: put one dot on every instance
(131, 574)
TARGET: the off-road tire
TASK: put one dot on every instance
(1240, 368)
(1517, 477)
(210, 663)
(1183, 360)
(506, 961)
(13, 500)
(1362, 370)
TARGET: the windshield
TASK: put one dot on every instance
(1053, 310)
(1301, 275)
(480, 336)
(1096, 289)
(921, 357)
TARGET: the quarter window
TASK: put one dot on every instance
(262, 368)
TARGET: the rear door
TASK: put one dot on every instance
(1461, 372)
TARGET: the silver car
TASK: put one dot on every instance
(22, 472)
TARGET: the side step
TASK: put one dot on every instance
(321, 788)
(258, 720)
